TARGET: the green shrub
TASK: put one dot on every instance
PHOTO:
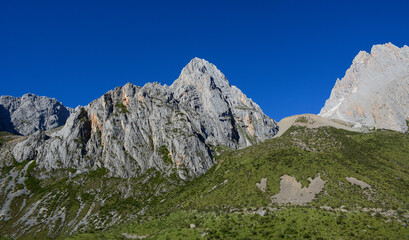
(121, 108)
(164, 152)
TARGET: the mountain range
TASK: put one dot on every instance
(131, 129)
(201, 146)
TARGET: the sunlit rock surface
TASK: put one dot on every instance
(175, 128)
(30, 113)
(374, 91)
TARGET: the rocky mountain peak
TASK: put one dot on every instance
(199, 72)
(374, 91)
(174, 129)
(198, 65)
(30, 113)
(380, 52)
(29, 96)
(384, 48)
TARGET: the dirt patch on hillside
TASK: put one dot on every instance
(262, 185)
(132, 236)
(292, 192)
(360, 183)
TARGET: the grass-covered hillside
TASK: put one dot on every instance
(359, 183)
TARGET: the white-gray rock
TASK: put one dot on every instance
(171, 128)
(374, 91)
(30, 113)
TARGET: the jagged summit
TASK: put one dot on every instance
(198, 71)
(380, 50)
(374, 91)
(198, 64)
(387, 47)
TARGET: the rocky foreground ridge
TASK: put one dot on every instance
(131, 129)
(375, 90)
(30, 113)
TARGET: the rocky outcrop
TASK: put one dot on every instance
(173, 128)
(30, 113)
(374, 91)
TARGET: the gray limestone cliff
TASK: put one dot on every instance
(175, 128)
(374, 91)
(30, 113)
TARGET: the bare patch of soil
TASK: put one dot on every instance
(292, 192)
(360, 183)
(262, 185)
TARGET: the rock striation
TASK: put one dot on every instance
(374, 91)
(30, 113)
(175, 129)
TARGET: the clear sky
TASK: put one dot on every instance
(285, 55)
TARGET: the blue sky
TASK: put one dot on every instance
(285, 55)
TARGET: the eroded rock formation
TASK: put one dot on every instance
(30, 113)
(374, 91)
(171, 128)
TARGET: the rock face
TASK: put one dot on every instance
(374, 91)
(30, 113)
(173, 128)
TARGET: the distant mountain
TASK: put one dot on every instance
(374, 91)
(176, 128)
(30, 113)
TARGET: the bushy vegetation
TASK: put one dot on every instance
(121, 108)
(380, 159)
(302, 119)
(288, 223)
(32, 183)
(164, 152)
(222, 203)
(225, 202)
(3, 138)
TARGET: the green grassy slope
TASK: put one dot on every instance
(225, 202)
